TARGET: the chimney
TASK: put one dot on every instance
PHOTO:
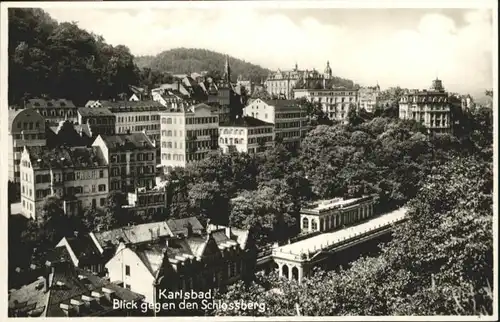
(189, 228)
(76, 304)
(228, 232)
(108, 293)
(66, 308)
(97, 296)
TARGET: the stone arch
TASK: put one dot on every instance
(295, 273)
(314, 225)
(285, 270)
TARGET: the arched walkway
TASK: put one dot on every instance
(284, 270)
(295, 273)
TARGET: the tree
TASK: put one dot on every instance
(208, 201)
(114, 209)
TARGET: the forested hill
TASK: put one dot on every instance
(188, 60)
(61, 60)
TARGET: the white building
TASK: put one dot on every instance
(246, 134)
(368, 98)
(335, 102)
(289, 119)
(188, 134)
(79, 175)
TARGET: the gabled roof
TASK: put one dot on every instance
(133, 234)
(246, 121)
(179, 226)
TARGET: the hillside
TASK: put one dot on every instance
(188, 60)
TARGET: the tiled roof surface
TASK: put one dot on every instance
(94, 111)
(67, 283)
(39, 102)
(66, 157)
(246, 121)
(133, 234)
(135, 106)
(130, 141)
(179, 226)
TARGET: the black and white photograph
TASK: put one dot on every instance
(251, 160)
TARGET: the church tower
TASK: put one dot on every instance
(226, 77)
(328, 71)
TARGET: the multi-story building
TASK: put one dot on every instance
(26, 128)
(289, 119)
(188, 134)
(246, 134)
(54, 110)
(429, 107)
(368, 98)
(65, 291)
(151, 203)
(99, 119)
(195, 261)
(79, 175)
(335, 101)
(281, 83)
(326, 215)
(131, 159)
(137, 117)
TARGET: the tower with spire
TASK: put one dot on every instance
(226, 77)
(328, 71)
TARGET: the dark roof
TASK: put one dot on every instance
(246, 121)
(39, 102)
(130, 141)
(94, 111)
(132, 106)
(283, 105)
(66, 283)
(179, 226)
(83, 247)
(133, 234)
(65, 157)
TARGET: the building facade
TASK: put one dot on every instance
(194, 260)
(281, 83)
(188, 134)
(26, 128)
(99, 119)
(78, 175)
(368, 98)
(151, 203)
(429, 107)
(131, 159)
(327, 215)
(54, 110)
(247, 135)
(335, 102)
(289, 119)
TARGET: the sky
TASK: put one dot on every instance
(405, 47)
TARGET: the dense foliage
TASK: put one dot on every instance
(58, 60)
(189, 60)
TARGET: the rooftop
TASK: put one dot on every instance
(130, 141)
(68, 289)
(321, 241)
(282, 104)
(132, 106)
(246, 121)
(94, 111)
(39, 102)
(65, 157)
(327, 204)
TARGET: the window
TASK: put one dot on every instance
(102, 187)
(127, 270)
(305, 223)
(101, 173)
(314, 225)
(102, 201)
(127, 286)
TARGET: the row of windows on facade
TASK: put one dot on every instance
(137, 118)
(260, 140)
(189, 120)
(101, 120)
(336, 115)
(288, 134)
(139, 128)
(28, 125)
(122, 158)
(70, 112)
(69, 176)
(180, 157)
(422, 99)
(256, 115)
(335, 100)
(250, 131)
(27, 137)
(151, 199)
(233, 269)
(42, 193)
(334, 221)
(139, 170)
(289, 115)
(334, 94)
(342, 109)
(132, 183)
(288, 125)
(431, 107)
(190, 133)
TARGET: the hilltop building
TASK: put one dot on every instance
(429, 107)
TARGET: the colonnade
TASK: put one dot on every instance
(336, 219)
